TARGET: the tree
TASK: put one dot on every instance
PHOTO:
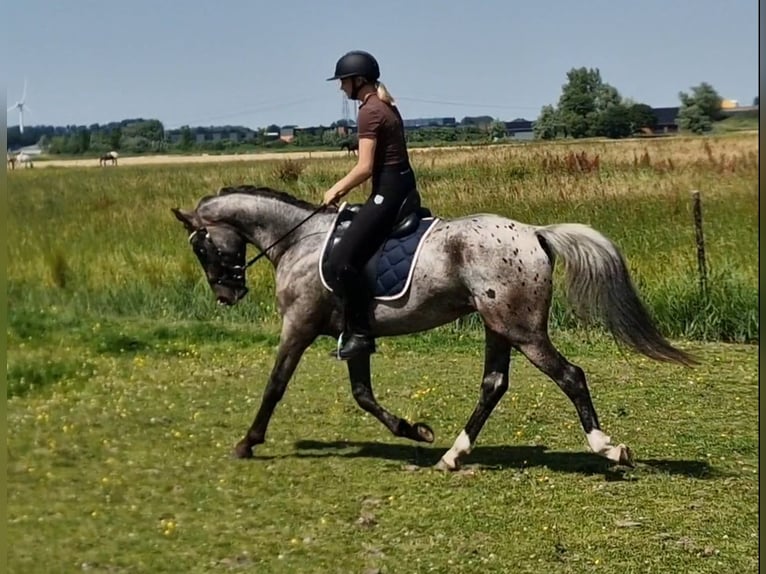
(83, 140)
(614, 122)
(497, 130)
(478, 121)
(642, 116)
(187, 139)
(755, 101)
(583, 99)
(114, 138)
(343, 123)
(547, 124)
(705, 98)
(693, 118)
(331, 138)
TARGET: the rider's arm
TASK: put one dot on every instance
(360, 172)
(369, 122)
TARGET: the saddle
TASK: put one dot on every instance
(389, 270)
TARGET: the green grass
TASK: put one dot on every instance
(128, 469)
(103, 242)
(735, 124)
(128, 386)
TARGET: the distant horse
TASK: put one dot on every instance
(25, 159)
(351, 146)
(11, 161)
(485, 263)
(108, 157)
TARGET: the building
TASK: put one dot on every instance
(417, 123)
(520, 129)
(666, 120)
(287, 133)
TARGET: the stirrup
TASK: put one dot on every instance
(336, 354)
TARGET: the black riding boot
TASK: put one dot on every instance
(358, 338)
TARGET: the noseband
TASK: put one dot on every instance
(233, 275)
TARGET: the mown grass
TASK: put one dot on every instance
(128, 386)
(127, 469)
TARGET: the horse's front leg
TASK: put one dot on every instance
(294, 340)
(361, 388)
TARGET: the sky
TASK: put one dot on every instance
(256, 62)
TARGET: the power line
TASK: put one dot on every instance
(245, 111)
(466, 104)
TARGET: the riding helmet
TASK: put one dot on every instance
(357, 63)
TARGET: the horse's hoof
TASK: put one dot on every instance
(423, 432)
(626, 456)
(441, 465)
(243, 450)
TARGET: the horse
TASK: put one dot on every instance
(24, 159)
(108, 157)
(500, 268)
(11, 159)
(351, 146)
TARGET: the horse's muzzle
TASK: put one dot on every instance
(228, 297)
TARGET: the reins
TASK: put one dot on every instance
(263, 253)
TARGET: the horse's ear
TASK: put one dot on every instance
(190, 219)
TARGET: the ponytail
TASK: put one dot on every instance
(384, 95)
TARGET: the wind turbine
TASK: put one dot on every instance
(21, 106)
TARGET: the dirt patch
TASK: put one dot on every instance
(176, 159)
(204, 158)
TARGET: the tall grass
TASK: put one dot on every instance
(87, 243)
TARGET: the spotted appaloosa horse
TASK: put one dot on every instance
(498, 267)
(108, 157)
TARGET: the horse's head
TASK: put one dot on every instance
(221, 251)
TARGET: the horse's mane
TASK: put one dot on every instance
(262, 192)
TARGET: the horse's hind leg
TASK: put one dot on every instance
(571, 378)
(361, 387)
(497, 363)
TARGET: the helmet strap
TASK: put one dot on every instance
(355, 87)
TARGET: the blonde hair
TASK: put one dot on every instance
(384, 95)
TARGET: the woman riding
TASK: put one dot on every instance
(382, 156)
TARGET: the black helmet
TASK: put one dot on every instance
(357, 63)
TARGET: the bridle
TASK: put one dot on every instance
(234, 274)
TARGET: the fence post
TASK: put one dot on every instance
(701, 264)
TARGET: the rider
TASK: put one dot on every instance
(382, 156)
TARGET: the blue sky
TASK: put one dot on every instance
(255, 62)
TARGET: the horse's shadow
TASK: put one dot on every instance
(505, 457)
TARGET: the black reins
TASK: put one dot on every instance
(263, 253)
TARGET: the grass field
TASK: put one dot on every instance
(128, 386)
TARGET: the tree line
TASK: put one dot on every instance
(587, 107)
(590, 107)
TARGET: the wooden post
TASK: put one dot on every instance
(701, 264)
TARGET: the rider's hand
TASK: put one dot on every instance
(331, 197)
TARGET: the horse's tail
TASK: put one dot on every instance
(599, 287)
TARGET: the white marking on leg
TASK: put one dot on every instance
(598, 441)
(602, 444)
(462, 446)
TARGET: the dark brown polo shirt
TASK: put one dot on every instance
(377, 120)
